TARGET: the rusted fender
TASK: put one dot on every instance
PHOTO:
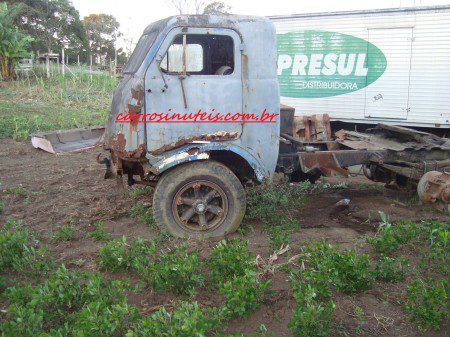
(200, 151)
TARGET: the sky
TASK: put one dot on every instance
(135, 15)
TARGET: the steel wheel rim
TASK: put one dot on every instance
(200, 206)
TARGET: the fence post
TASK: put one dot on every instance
(62, 61)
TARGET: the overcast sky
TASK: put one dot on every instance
(135, 15)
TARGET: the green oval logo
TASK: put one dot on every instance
(321, 64)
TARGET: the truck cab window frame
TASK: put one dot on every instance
(215, 54)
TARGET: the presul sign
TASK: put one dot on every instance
(321, 64)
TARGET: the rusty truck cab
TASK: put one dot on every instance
(184, 65)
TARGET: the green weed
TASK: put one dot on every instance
(243, 294)
(145, 214)
(185, 321)
(64, 233)
(19, 250)
(348, 272)
(279, 236)
(427, 302)
(275, 205)
(138, 192)
(391, 269)
(119, 255)
(17, 190)
(68, 302)
(175, 270)
(229, 259)
(99, 233)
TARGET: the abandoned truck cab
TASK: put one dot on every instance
(177, 118)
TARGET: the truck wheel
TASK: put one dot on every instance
(199, 199)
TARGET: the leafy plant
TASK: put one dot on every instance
(118, 254)
(99, 233)
(13, 43)
(274, 204)
(64, 233)
(314, 308)
(347, 271)
(427, 302)
(439, 246)
(391, 269)
(137, 192)
(359, 313)
(185, 321)
(243, 294)
(278, 236)
(145, 214)
(18, 250)
(66, 302)
(175, 270)
(229, 259)
(18, 190)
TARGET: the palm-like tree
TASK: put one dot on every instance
(13, 44)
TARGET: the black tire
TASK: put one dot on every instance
(185, 190)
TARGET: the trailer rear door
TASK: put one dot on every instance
(388, 97)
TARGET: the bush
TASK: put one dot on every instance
(229, 259)
(175, 270)
(243, 294)
(427, 301)
(391, 269)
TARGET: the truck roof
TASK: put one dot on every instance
(209, 20)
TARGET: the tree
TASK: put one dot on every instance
(13, 44)
(52, 23)
(102, 31)
(200, 6)
(217, 7)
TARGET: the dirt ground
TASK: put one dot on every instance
(70, 189)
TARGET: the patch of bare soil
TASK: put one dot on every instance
(70, 189)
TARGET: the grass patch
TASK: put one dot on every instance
(60, 102)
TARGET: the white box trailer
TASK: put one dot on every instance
(389, 65)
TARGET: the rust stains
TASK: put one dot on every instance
(217, 137)
(135, 105)
(117, 145)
